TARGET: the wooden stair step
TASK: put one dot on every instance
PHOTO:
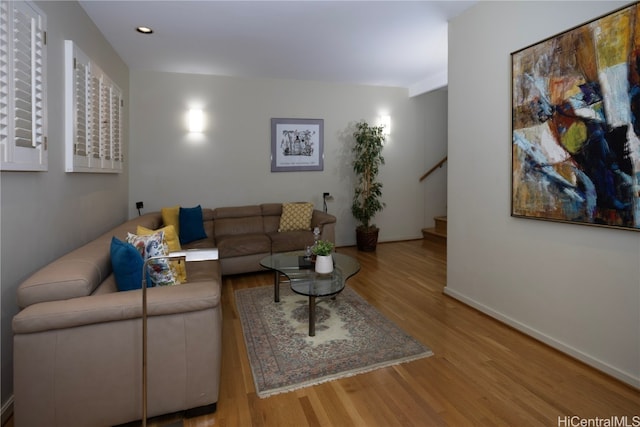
(441, 224)
(434, 235)
(437, 233)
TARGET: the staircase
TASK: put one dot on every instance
(437, 233)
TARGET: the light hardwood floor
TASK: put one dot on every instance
(483, 373)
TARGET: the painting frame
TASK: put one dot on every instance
(297, 145)
(575, 124)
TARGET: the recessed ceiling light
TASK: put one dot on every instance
(144, 30)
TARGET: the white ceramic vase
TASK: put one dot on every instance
(324, 264)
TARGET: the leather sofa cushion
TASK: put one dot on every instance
(76, 274)
(237, 221)
(241, 245)
(238, 226)
(271, 224)
(198, 272)
(271, 213)
(118, 306)
(200, 244)
(237, 212)
(108, 286)
(287, 241)
(80, 272)
(271, 209)
(207, 222)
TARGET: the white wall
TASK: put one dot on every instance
(230, 164)
(46, 214)
(432, 107)
(574, 287)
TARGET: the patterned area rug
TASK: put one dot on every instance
(351, 337)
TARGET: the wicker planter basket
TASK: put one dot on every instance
(367, 239)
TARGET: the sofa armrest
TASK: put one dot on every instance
(327, 224)
(319, 218)
(192, 296)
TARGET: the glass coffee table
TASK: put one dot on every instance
(304, 280)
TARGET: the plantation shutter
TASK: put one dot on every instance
(105, 121)
(92, 108)
(22, 63)
(116, 141)
(93, 113)
(80, 109)
(77, 115)
(4, 76)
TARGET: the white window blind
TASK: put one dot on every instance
(4, 74)
(81, 120)
(93, 106)
(116, 141)
(23, 119)
(93, 111)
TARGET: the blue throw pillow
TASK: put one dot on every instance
(127, 264)
(191, 226)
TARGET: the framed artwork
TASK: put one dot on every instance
(297, 145)
(575, 125)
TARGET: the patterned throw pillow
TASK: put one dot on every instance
(150, 246)
(171, 238)
(296, 216)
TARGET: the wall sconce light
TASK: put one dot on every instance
(385, 121)
(196, 120)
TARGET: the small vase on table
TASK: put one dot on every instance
(324, 264)
(324, 261)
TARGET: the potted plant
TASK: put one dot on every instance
(324, 262)
(367, 153)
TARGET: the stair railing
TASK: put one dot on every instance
(430, 171)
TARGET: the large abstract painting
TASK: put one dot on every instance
(575, 125)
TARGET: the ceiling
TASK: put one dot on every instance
(386, 43)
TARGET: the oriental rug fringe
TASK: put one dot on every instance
(352, 337)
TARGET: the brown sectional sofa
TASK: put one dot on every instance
(77, 340)
(246, 234)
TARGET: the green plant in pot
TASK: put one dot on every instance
(367, 199)
(324, 260)
(323, 248)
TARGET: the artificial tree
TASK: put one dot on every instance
(367, 199)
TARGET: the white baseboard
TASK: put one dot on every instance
(558, 345)
(7, 410)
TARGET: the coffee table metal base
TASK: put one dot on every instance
(276, 286)
(312, 304)
(312, 316)
(308, 283)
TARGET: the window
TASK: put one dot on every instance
(23, 104)
(93, 108)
